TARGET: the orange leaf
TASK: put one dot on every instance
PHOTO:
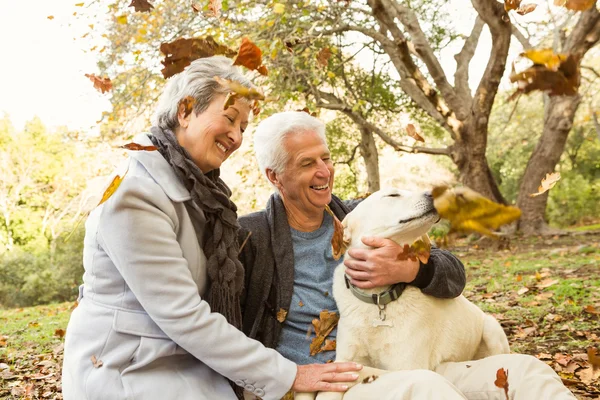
(502, 380)
(137, 147)
(593, 359)
(419, 250)
(214, 6)
(412, 132)
(141, 5)
(235, 87)
(114, 185)
(323, 56)
(188, 104)
(50, 17)
(300, 304)
(338, 245)
(329, 345)
(306, 110)
(101, 84)
(547, 183)
(591, 310)
(526, 9)
(511, 4)
(60, 333)
(575, 5)
(249, 55)
(263, 70)
(281, 315)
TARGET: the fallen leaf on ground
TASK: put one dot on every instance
(591, 310)
(547, 183)
(593, 358)
(59, 332)
(468, 210)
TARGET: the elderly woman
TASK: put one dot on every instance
(159, 310)
(289, 266)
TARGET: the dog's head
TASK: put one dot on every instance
(400, 215)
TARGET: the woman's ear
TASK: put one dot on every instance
(183, 115)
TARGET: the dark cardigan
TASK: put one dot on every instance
(268, 259)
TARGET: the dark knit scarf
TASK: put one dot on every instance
(212, 196)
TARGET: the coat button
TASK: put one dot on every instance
(249, 388)
(240, 382)
(259, 392)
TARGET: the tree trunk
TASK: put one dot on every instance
(368, 151)
(558, 120)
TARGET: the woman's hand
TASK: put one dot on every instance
(322, 377)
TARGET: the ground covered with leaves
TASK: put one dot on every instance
(544, 292)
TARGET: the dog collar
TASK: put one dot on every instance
(379, 299)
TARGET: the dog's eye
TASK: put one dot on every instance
(393, 195)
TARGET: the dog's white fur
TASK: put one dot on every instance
(427, 331)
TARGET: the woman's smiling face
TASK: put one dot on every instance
(211, 136)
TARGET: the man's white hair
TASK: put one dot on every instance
(196, 80)
(270, 134)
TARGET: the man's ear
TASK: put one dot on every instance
(273, 178)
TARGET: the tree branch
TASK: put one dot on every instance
(591, 69)
(521, 38)
(585, 34)
(463, 59)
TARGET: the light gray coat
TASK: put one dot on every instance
(141, 315)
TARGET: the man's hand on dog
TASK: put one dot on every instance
(379, 266)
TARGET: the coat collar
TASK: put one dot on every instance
(160, 170)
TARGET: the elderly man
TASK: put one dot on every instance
(289, 271)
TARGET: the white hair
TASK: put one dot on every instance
(271, 132)
(196, 80)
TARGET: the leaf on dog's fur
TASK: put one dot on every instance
(468, 210)
(419, 250)
(323, 327)
(281, 314)
(502, 380)
(338, 245)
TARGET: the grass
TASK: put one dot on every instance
(538, 289)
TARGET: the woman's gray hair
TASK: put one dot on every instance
(271, 132)
(196, 80)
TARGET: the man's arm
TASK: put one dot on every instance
(442, 276)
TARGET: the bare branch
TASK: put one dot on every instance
(591, 69)
(463, 59)
(586, 33)
(521, 38)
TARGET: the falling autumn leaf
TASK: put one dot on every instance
(237, 88)
(249, 56)
(575, 5)
(196, 7)
(79, 5)
(419, 250)
(306, 110)
(547, 183)
(300, 304)
(50, 17)
(137, 147)
(122, 19)
(412, 132)
(468, 210)
(338, 245)
(526, 9)
(101, 84)
(502, 380)
(95, 362)
(255, 108)
(188, 105)
(323, 326)
(545, 57)
(141, 5)
(511, 4)
(181, 52)
(114, 185)
(262, 70)
(323, 56)
(214, 7)
(281, 315)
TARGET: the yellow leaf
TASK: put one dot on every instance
(50, 17)
(545, 57)
(114, 185)
(281, 315)
(79, 5)
(547, 183)
(330, 74)
(239, 89)
(278, 8)
(575, 5)
(122, 19)
(468, 210)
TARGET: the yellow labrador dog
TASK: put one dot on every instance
(399, 327)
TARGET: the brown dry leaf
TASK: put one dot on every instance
(97, 363)
(141, 5)
(591, 310)
(214, 6)
(114, 185)
(502, 380)
(564, 80)
(60, 333)
(575, 5)
(196, 7)
(323, 327)
(255, 108)
(252, 93)
(593, 358)
(329, 345)
(468, 210)
(547, 183)
(181, 52)
(419, 250)
(281, 315)
(300, 304)
(323, 56)
(3, 341)
(101, 84)
(262, 70)
(526, 9)
(412, 132)
(588, 375)
(338, 245)
(137, 147)
(546, 283)
(306, 110)
(249, 55)
(188, 105)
